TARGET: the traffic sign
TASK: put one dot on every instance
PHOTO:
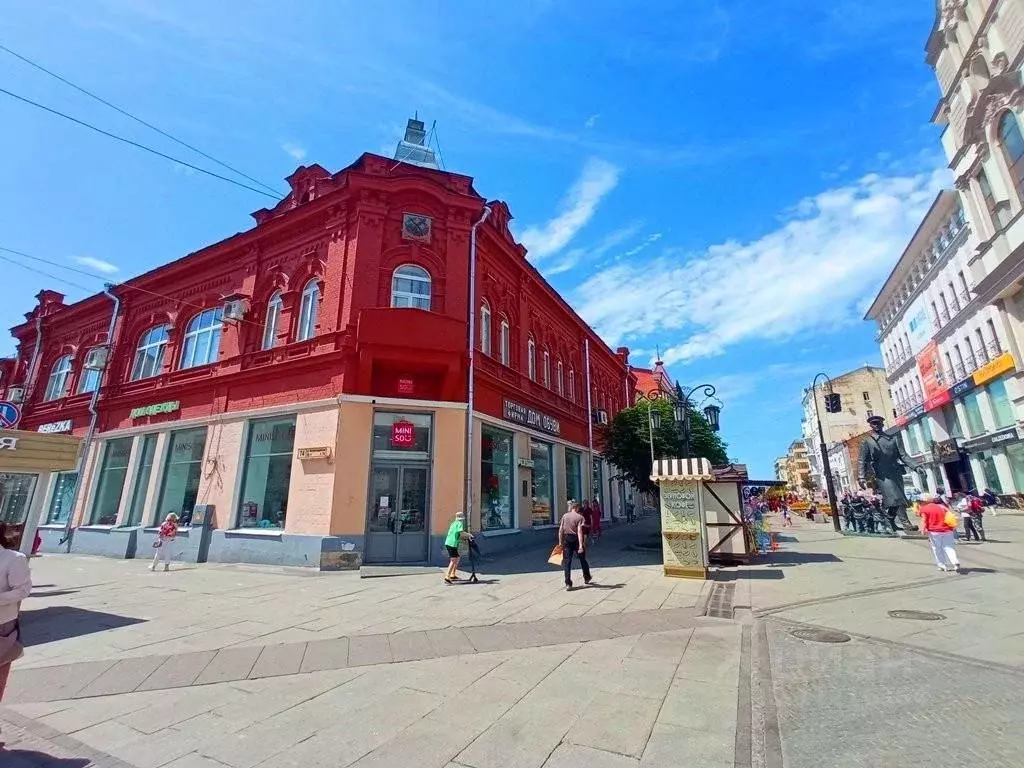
(10, 415)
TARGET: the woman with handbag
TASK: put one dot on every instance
(939, 522)
(15, 586)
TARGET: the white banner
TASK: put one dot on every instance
(919, 325)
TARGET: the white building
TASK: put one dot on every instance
(945, 360)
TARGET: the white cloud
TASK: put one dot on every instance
(297, 152)
(598, 178)
(650, 240)
(577, 255)
(812, 273)
(592, 120)
(98, 264)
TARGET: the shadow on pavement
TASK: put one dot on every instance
(749, 575)
(62, 622)
(798, 558)
(24, 758)
(53, 593)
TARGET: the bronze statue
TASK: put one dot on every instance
(883, 454)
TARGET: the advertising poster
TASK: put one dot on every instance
(932, 382)
(919, 325)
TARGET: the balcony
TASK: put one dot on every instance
(994, 348)
(971, 362)
(959, 372)
(943, 317)
(965, 298)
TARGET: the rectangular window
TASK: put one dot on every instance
(266, 473)
(953, 427)
(142, 476)
(496, 479)
(182, 471)
(62, 499)
(994, 346)
(988, 468)
(113, 470)
(866, 396)
(542, 490)
(913, 447)
(1002, 408)
(926, 431)
(503, 341)
(597, 478)
(975, 425)
(573, 475)
(89, 381)
(402, 436)
(1015, 453)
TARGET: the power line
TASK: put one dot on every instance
(136, 144)
(139, 120)
(44, 273)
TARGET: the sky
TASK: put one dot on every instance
(728, 185)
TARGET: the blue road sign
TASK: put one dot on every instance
(10, 415)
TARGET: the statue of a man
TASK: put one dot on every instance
(883, 453)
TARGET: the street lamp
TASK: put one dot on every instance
(682, 411)
(831, 406)
(653, 418)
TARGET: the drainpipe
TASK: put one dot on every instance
(590, 414)
(471, 388)
(30, 383)
(83, 449)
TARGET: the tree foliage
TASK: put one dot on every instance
(627, 442)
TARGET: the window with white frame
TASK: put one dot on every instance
(149, 355)
(273, 320)
(547, 369)
(308, 310)
(531, 359)
(410, 287)
(503, 342)
(572, 384)
(485, 328)
(57, 385)
(559, 380)
(202, 339)
(89, 380)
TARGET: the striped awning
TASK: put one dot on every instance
(682, 469)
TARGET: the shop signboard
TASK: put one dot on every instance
(917, 410)
(403, 434)
(928, 366)
(961, 387)
(919, 325)
(406, 386)
(317, 452)
(946, 450)
(993, 368)
(155, 409)
(994, 440)
(55, 427)
(521, 414)
(8, 443)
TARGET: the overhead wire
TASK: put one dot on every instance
(136, 144)
(137, 119)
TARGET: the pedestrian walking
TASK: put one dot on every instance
(630, 512)
(572, 540)
(812, 511)
(939, 524)
(164, 543)
(787, 518)
(847, 507)
(456, 533)
(595, 518)
(973, 524)
(15, 586)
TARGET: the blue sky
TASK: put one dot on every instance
(730, 184)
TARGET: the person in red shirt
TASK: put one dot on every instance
(940, 533)
(973, 518)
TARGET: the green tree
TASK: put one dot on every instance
(627, 441)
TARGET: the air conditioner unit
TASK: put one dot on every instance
(96, 358)
(234, 309)
(16, 394)
(602, 417)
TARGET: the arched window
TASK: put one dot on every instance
(57, 386)
(1013, 148)
(503, 341)
(547, 369)
(410, 287)
(273, 320)
(572, 385)
(485, 328)
(89, 380)
(531, 359)
(149, 355)
(308, 310)
(559, 380)
(202, 339)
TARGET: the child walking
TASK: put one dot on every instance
(165, 542)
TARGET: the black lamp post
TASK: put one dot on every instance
(831, 406)
(682, 411)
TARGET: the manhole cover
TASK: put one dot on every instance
(917, 615)
(821, 635)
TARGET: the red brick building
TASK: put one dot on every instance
(307, 380)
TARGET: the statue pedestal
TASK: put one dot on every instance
(684, 538)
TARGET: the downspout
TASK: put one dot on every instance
(31, 382)
(590, 413)
(83, 449)
(471, 386)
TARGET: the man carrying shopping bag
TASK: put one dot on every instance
(571, 540)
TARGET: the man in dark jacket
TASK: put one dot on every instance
(882, 456)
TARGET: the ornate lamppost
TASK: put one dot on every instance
(684, 404)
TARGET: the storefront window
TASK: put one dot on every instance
(267, 473)
(573, 476)
(182, 471)
(496, 483)
(974, 422)
(542, 486)
(142, 480)
(598, 480)
(910, 440)
(1015, 453)
(402, 436)
(988, 467)
(62, 499)
(926, 431)
(1002, 409)
(952, 421)
(113, 470)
